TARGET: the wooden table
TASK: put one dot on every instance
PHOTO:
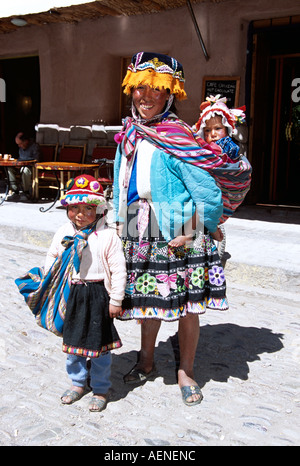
(60, 168)
(6, 164)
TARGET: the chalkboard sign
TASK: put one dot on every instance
(226, 86)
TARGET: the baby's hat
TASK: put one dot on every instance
(84, 189)
(216, 106)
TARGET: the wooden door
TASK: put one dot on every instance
(285, 151)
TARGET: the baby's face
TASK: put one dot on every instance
(214, 130)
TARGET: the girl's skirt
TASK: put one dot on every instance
(166, 282)
(88, 329)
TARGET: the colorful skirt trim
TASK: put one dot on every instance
(90, 353)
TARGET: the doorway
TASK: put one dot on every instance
(285, 151)
(21, 109)
(274, 142)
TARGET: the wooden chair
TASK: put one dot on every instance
(47, 179)
(48, 152)
(70, 153)
(105, 156)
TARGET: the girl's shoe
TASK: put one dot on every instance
(97, 404)
(73, 395)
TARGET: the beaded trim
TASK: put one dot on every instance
(91, 353)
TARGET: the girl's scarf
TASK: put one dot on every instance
(175, 137)
(47, 295)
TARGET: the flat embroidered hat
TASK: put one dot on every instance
(157, 71)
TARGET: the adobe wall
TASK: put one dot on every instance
(80, 64)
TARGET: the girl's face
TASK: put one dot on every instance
(148, 101)
(82, 215)
(214, 129)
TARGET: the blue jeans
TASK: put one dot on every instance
(99, 372)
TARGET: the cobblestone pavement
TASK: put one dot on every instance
(247, 365)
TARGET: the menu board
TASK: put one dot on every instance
(226, 86)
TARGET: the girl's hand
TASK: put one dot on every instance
(114, 311)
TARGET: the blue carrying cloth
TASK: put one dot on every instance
(47, 295)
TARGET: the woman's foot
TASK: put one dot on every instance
(191, 393)
(98, 403)
(72, 395)
(137, 374)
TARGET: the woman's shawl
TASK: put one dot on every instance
(47, 295)
(175, 137)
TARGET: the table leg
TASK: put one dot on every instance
(35, 183)
(7, 186)
(41, 209)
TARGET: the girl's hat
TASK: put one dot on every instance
(84, 189)
(216, 106)
(157, 71)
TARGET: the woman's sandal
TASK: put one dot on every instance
(189, 391)
(99, 403)
(138, 375)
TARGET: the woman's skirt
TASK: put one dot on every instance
(166, 282)
(88, 329)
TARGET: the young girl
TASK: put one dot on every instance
(96, 290)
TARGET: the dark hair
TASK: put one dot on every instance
(173, 106)
(23, 136)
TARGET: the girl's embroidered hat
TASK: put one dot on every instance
(83, 190)
(216, 106)
(156, 70)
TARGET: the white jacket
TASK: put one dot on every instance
(102, 259)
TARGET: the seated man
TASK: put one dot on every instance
(28, 150)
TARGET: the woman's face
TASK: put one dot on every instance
(149, 102)
(81, 214)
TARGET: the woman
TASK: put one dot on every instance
(160, 193)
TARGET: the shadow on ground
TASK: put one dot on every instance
(224, 350)
(265, 213)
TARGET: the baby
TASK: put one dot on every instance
(216, 125)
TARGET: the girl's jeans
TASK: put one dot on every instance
(99, 372)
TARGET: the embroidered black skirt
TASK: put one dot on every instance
(166, 282)
(88, 329)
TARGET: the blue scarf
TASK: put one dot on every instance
(47, 295)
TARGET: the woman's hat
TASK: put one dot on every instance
(216, 106)
(157, 71)
(84, 189)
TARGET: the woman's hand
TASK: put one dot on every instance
(119, 228)
(114, 311)
(218, 235)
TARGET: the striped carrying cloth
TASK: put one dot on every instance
(47, 295)
(177, 138)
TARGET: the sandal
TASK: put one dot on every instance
(73, 395)
(98, 402)
(138, 375)
(189, 391)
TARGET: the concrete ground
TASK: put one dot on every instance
(247, 361)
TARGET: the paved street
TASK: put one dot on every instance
(247, 361)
